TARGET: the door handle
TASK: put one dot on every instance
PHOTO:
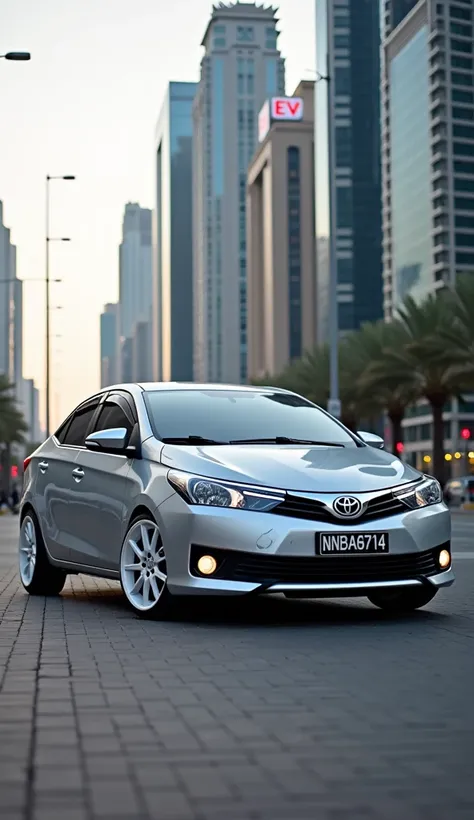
(78, 474)
(43, 465)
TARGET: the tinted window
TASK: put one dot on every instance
(226, 415)
(112, 416)
(79, 426)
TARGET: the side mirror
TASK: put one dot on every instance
(372, 440)
(113, 440)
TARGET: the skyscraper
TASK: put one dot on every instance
(281, 313)
(348, 95)
(241, 68)
(428, 173)
(11, 294)
(109, 345)
(428, 145)
(135, 281)
(172, 238)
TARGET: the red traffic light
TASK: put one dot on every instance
(399, 447)
(14, 471)
(465, 433)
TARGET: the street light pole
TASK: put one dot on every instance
(47, 284)
(334, 403)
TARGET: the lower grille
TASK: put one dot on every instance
(274, 569)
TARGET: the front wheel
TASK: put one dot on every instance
(402, 600)
(37, 575)
(143, 570)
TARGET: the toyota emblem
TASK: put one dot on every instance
(347, 506)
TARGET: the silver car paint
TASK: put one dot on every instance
(84, 522)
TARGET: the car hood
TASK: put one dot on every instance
(296, 468)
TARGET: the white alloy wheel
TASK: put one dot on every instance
(143, 571)
(27, 550)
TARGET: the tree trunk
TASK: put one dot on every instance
(396, 419)
(439, 464)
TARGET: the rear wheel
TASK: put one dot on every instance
(37, 575)
(143, 570)
(402, 600)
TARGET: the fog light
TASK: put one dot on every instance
(207, 565)
(444, 559)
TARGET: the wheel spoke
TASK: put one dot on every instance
(146, 591)
(154, 541)
(138, 552)
(160, 575)
(137, 586)
(154, 587)
(133, 567)
(145, 538)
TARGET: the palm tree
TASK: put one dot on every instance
(12, 428)
(417, 366)
(457, 339)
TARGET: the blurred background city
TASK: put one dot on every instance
(242, 193)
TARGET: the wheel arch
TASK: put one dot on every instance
(140, 510)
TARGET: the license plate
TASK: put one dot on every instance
(351, 543)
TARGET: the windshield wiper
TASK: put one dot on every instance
(286, 440)
(192, 440)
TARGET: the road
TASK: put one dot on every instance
(288, 710)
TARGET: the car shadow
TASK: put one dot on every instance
(269, 610)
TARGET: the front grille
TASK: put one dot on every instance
(274, 569)
(312, 510)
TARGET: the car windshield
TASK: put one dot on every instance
(221, 416)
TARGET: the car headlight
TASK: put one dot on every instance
(211, 493)
(422, 495)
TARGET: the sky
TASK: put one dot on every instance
(87, 104)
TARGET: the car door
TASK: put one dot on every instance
(103, 490)
(55, 490)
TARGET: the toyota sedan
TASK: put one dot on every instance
(190, 489)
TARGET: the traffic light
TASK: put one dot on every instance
(399, 447)
(466, 433)
(14, 471)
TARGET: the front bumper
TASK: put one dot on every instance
(269, 553)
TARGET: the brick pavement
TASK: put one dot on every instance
(276, 709)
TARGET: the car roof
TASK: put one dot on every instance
(153, 386)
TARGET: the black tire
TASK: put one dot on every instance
(41, 578)
(163, 606)
(402, 600)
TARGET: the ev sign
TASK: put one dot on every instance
(287, 108)
(279, 109)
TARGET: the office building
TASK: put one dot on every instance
(281, 280)
(109, 345)
(240, 69)
(428, 172)
(135, 279)
(348, 52)
(172, 331)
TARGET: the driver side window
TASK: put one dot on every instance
(78, 427)
(112, 416)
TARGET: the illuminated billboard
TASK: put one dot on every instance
(279, 109)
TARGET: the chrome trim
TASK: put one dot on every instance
(442, 579)
(335, 587)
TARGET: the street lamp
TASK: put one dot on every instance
(334, 403)
(47, 283)
(16, 55)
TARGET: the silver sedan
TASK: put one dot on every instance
(189, 489)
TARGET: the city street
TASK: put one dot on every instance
(278, 709)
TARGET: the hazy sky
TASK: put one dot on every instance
(87, 104)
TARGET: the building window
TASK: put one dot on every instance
(463, 46)
(464, 185)
(461, 62)
(341, 41)
(463, 31)
(460, 14)
(461, 79)
(344, 271)
(342, 80)
(218, 29)
(465, 240)
(463, 113)
(462, 167)
(245, 34)
(219, 42)
(466, 131)
(344, 207)
(462, 203)
(343, 142)
(462, 149)
(462, 96)
(465, 259)
(463, 222)
(294, 251)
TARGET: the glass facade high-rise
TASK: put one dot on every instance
(428, 173)
(347, 94)
(172, 241)
(109, 345)
(240, 69)
(135, 282)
